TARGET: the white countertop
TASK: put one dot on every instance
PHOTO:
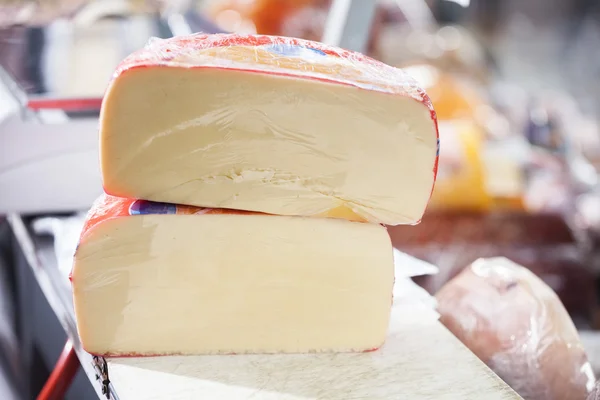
(420, 360)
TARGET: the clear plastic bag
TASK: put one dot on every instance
(517, 325)
(595, 394)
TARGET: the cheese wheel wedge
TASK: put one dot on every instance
(155, 279)
(269, 124)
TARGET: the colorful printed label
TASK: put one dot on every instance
(142, 207)
(107, 207)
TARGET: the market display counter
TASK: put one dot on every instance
(420, 360)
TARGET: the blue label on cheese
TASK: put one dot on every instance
(144, 207)
(290, 50)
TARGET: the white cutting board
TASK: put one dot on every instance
(420, 360)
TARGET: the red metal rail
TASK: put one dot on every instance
(67, 104)
(63, 374)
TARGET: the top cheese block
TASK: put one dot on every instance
(270, 124)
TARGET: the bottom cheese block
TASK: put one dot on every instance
(155, 278)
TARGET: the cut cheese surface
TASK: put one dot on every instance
(153, 279)
(274, 125)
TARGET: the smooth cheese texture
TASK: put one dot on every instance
(268, 124)
(200, 281)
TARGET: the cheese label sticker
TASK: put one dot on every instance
(290, 50)
(146, 207)
(107, 207)
(141, 207)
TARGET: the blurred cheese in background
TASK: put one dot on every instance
(86, 49)
(505, 179)
(77, 50)
(461, 175)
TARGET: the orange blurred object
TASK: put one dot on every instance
(461, 182)
(267, 16)
(303, 19)
(474, 173)
(451, 100)
(270, 15)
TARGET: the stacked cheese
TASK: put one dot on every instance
(267, 167)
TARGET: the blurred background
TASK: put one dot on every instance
(515, 83)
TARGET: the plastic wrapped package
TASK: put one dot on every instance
(278, 279)
(517, 325)
(269, 124)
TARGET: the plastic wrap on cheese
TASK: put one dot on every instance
(107, 207)
(269, 124)
(156, 278)
(517, 325)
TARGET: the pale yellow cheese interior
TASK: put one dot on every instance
(213, 284)
(250, 141)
